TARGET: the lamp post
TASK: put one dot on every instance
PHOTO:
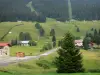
(9, 31)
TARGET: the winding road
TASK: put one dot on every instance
(12, 60)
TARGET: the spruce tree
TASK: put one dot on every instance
(52, 32)
(59, 43)
(53, 38)
(95, 35)
(87, 35)
(54, 41)
(97, 39)
(70, 59)
(21, 36)
(92, 29)
(99, 31)
(95, 32)
(78, 29)
(42, 32)
(86, 42)
(27, 36)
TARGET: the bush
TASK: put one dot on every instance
(92, 29)
(25, 66)
(44, 64)
(32, 43)
(94, 70)
(59, 43)
(47, 46)
(4, 70)
(78, 29)
(38, 26)
(14, 42)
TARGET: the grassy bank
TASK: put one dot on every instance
(91, 60)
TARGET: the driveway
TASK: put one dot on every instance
(10, 60)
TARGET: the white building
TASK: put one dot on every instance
(4, 49)
(79, 43)
(24, 43)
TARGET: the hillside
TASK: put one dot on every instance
(12, 10)
(60, 27)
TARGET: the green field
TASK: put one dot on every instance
(54, 74)
(27, 50)
(60, 27)
(91, 60)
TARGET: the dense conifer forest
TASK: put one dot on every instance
(13, 10)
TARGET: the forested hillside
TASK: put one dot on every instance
(12, 10)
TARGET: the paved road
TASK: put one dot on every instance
(12, 60)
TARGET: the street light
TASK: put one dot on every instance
(9, 31)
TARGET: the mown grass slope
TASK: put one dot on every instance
(60, 27)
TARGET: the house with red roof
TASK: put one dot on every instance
(4, 49)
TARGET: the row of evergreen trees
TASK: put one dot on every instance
(92, 37)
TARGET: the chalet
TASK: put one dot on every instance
(79, 43)
(4, 49)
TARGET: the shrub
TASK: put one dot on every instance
(92, 29)
(94, 70)
(42, 31)
(47, 46)
(25, 66)
(32, 43)
(14, 42)
(59, 43)
(78, 30)
(37, 25)
(44, 64)
(4, 70)
(52, 32)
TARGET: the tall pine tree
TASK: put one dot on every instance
(70, 59)
(52, 32)
(54, 41)
(99, 31)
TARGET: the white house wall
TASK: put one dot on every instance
(5, 51)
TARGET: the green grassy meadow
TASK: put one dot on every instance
(27, 50)
(60, 28)
(56, 74)
(91, 59)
